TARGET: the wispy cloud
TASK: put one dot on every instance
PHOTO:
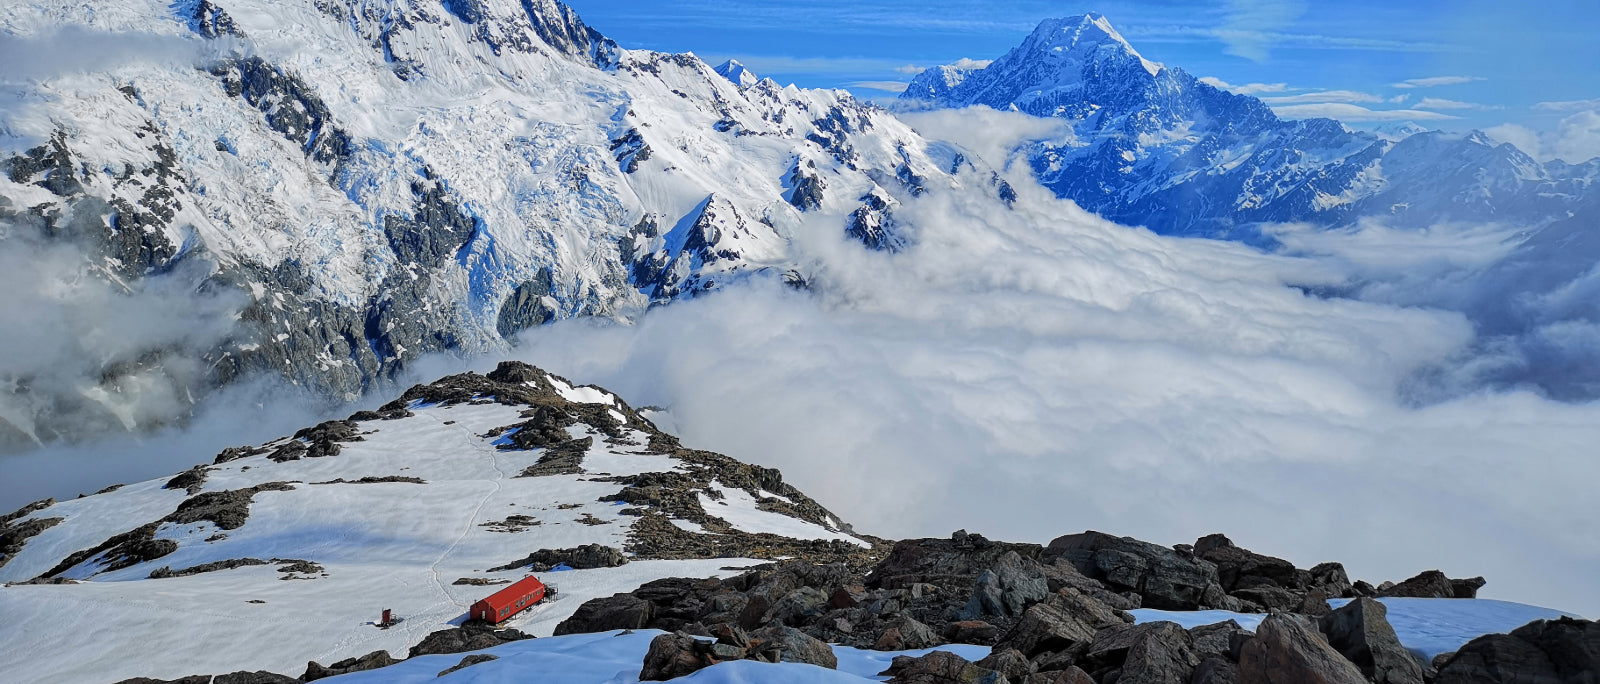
(886, 86)
(1441, 103)
(1356, 113)
(1347, 96)
(1246, 89)
(1435, 81)
(1568, 105)
(1251, 26)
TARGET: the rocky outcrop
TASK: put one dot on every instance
(370, 661)
(465, 638)
(469, 661)
(940, 667)
(1564, 651)
(1360, 631)
(679, 654)
(1288, 650)
(1164, 578)
(586, 557)
(15, 532)
(1434, 584)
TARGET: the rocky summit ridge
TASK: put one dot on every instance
(280, 554)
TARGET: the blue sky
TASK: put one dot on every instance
(1478, 63)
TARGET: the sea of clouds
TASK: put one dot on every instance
(1037, 371)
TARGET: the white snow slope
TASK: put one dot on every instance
(529, 151)
(395, 545)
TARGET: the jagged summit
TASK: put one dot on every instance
(1079, 37)
(738, 74)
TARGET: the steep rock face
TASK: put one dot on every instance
(1154, 146)
(417, 176)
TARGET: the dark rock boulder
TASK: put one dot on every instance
(1332, 579)
(671, 656)
(953, 562)
(1468, 588)
(1009, 662)
(971, 632)
(1066, 621)
(619, 611)
(1287, 650)
(1432, 584)
(1216, 639)
(464, 639)
(469, 661)
(1239, 568)
(1164, 578)
(370, 661)
(586, 557)
(1148, 653)
(1361, 632)
(258, 677)
(1007, 588)
(794, 646)
(1215, 670)
(940, 667)
(1563, 651)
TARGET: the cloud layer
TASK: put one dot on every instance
(1040, 372)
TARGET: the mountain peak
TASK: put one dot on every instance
(738, 73)
(1081, 34)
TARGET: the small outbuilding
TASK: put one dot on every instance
(503, 604)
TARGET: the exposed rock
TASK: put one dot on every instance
(1429, 584)
(1009, 662)
(479, 582)
(1215, 670)
(1148, 653)
(794, 646)
(191, 480)
(1239, 568)
(469, 661)
(228, 510)
(165, 571)
(463, 639)
(971, 632)
(14, 535)
(671, 656)
(370, 661)
(1007, 588)
(1331, 579)
(619, 611)
(1215, 639)
(586, 557)
(1067, 621)
(940, 667)
(258, 677)
(1562, 651)
(1071, 675)
(1360, 631)
(1286, 650)
(1468, 588)
(1164, 578)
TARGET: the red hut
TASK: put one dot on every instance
(509, 601)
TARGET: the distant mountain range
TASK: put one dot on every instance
(1154, 146)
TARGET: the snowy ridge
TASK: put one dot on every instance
(390, 510)
(386, 178)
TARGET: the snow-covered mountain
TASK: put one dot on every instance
(373, 180)
(1152, 145)
(277, 554)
